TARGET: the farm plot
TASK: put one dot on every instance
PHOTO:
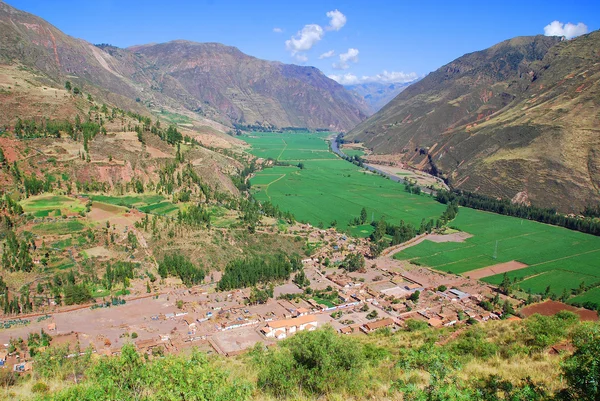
(155, 204)
(52, 205)
(128, 200)
(59, 228)
(555, 256)
(332, 190)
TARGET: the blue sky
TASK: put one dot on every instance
(364, 38)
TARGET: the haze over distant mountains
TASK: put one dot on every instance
(518, 120)
(377, 94)
(208, 80)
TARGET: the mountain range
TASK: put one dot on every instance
(205, 81)
(519, 120)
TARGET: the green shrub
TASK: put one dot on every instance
(40, 387)
(318, 362)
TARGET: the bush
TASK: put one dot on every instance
(134, 335)
(40, 387)
(318, 362)
(415, 325)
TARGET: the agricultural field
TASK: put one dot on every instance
(554, 256)
(155, 204)
(52, 205)
(59, 228)
(329, 189)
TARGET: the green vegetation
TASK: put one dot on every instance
(329, 189)
(182, 267)
(557, 256)
(241, 273)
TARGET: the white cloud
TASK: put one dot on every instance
(568, 30)
(277, 30)
(345, 58)
(384, 78)
(328, 54)
(300, 57)
(337, 20)
(305, 39)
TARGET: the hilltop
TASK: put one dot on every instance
(518, 120)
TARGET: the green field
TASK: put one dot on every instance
(59, 228)
(353, 152)
(128, 200)
(329, 188)
(162, 208)
(147, 203)
(556, 256)
(592, 295)
(55, 205)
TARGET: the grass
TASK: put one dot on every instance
(59, 228)
(353, 152)
(556, 256)
(323, 301)
(329, 188)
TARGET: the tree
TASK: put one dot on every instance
(505, 285)
(507, 309)
(363, 216)
(415, 296)
(68, 86)
(354, 262)
(582, 369)
(301, 166)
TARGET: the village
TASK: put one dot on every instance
(386, 294)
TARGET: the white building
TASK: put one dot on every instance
(280, 329)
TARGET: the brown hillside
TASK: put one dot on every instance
(205, 82)
(520, 118)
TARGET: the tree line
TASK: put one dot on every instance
(586, 225)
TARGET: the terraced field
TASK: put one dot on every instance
(555, 256)
(329, 189)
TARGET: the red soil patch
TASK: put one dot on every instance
(9, 147)
(496, 269)
(550, 308)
